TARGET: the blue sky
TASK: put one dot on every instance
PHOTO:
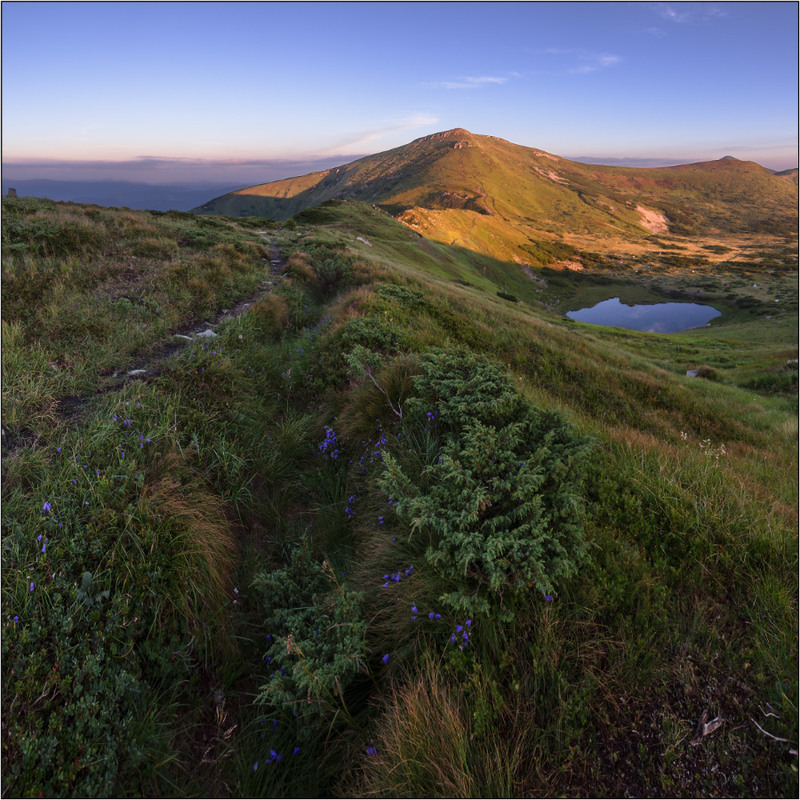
(195, 91)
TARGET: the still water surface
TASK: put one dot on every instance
(655, 317)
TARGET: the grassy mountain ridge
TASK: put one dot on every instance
(297, 558)
(496, 197)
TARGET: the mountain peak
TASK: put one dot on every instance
(498, 197)
(451, 134)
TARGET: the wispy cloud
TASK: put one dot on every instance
(356, 142)
(471, 82)
(583, 61)
(669, 13)
(688, 12)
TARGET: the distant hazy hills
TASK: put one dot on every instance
(129, 194)
(497, 197)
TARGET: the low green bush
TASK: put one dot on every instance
(499, 504)
(315, 640)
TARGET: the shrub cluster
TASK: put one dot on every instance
(316, 639)
(498, 503)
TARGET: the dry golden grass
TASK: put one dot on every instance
(272, 313)
(200, 533)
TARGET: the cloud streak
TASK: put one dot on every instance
(471, 82)
(584, 61)
(688, 12)
(359, 140)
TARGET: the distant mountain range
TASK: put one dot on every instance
(127, 194)
(500, 198)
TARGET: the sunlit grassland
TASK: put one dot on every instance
(139, 621)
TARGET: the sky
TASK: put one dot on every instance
(180, 92)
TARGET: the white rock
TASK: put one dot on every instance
(137, 372)
(206, 334)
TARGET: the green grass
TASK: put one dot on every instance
(137, 663)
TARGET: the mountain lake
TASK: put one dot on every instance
(654, 317)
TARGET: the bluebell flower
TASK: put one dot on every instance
(46, 507)
(385, 659)
(295, 751)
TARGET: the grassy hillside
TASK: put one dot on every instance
(505, 200)
(397, 529)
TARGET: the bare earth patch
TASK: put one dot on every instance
(654, 221)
